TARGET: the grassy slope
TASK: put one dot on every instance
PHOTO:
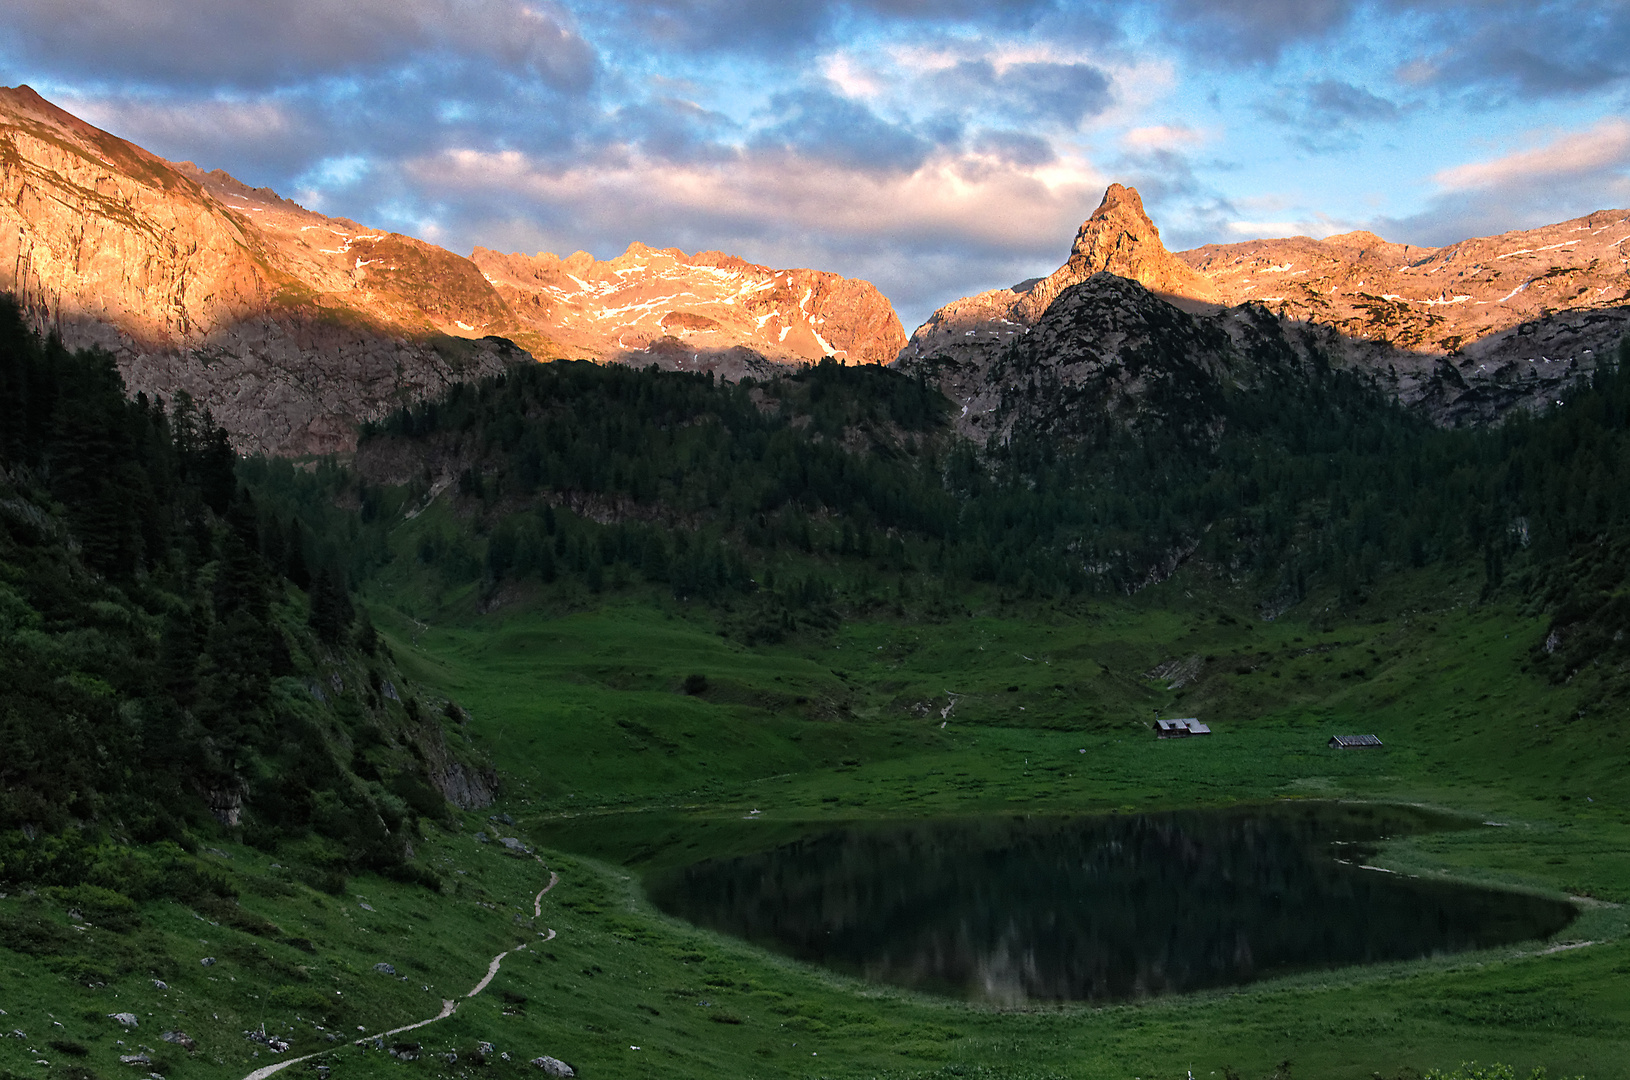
(607, 758)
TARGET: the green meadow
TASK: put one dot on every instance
(632, 736)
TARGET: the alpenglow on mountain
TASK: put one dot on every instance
(1465, 332)
(292, 327)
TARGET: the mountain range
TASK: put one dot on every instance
(292, 327)
(1465, 332)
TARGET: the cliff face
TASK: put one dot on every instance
(198, 283)
(1465, 332)
(292, 327)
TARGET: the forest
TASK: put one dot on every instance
(846, 483)
(170, 662)
(172, 613)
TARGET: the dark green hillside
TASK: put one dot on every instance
(171, 659)
(846, 483)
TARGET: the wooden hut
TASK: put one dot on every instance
(1180, 729)
(1352, 742)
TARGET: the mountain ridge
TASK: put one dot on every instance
(1466, 346)
(292, 327)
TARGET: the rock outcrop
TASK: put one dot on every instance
(1118, 239)
(1107, 352)
(1465, 332)
(292, 327)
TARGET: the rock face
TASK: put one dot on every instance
(291, 327)
(709, 311)
(1465, 332)
(1118, 238)
(1106, 352)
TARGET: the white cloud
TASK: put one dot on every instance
(943, 203)
(191, 121)
(1318, 228)
(1606, 146)
(1162, 137)
(956, 224)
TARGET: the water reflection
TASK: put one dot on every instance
(1013, 910)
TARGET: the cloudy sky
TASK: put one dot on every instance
(936, 147)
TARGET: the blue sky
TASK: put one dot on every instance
(935, 147)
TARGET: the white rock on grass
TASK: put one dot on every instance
(553, 1066)
(127, 1019)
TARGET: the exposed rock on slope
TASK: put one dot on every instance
(702, 311)
(1468, 330)
(1118, 238)
(1465, 332)
(1106, 352)
(287, 325)
(292, 327)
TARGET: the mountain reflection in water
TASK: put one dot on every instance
(1012, 910)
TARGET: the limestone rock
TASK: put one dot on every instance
(553, 1066)
(702, 312)
(292, 327)
(1120, 239)
(1466, 333)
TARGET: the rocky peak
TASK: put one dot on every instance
(1465, 332)
(1120, 239)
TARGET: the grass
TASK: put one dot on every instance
(617, 770)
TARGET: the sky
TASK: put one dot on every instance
(933, 147)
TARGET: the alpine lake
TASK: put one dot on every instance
(1010, 910)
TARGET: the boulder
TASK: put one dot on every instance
(553, 1066)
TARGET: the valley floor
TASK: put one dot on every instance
(613, 770)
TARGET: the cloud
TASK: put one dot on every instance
(1554, 178)
(257, 136)
(1605, 148)
(822, 126)
(779, 207)
(1524, 48)
(1161, 137)
(1328, 114)
(1251, 31)
(1334, 99)
(1520, 48)
(261, 43)
(802, 26)
(1013, 148)
(1049, 92)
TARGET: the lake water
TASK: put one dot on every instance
(1013, 910)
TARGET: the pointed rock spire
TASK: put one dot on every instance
(1119, 238)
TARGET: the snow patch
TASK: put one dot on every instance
(1513, 292)
(1532, 251)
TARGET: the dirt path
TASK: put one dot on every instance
(447, 1007)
